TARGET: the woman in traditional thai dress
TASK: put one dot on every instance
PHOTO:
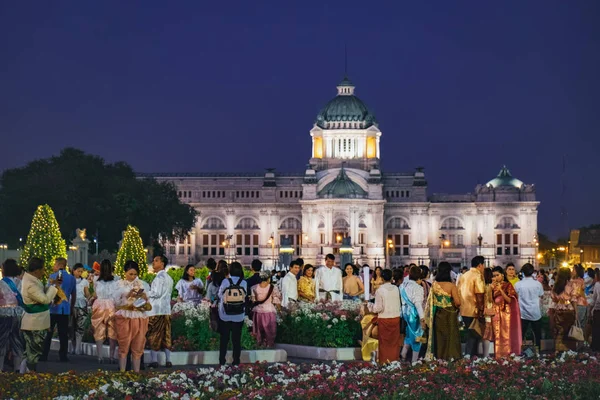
(103, 310)
(131, 320)
(564, 308)
(264, 315)
(189, 288)
(507, 319)
(413, 315)
(578, 284)
(442, 317)
(306, 285)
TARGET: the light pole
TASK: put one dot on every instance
(390, 246)
(271, 241)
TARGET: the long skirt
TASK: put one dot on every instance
(264, 328)
(389, 339)
(563, 321)
(11, 340)
(78, 321)
(447, 336)
(596, 331)
(159, 332)
(103, 323)
(131, 334)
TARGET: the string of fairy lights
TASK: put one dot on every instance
(44, 239)
(132, 248)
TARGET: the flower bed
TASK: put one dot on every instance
(576, 376)
(321, 324)
(190, 329)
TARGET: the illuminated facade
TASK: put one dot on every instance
(389, 217)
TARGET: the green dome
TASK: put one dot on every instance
(345, 107)
(342, 187)
(505, 179)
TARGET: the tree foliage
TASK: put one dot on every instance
(44, 239)
(87, 192)
(132, 249)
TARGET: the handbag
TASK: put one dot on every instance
(528, 348)
(576, 333)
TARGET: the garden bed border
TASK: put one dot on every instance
(195, 357)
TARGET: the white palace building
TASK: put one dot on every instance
(344, 204)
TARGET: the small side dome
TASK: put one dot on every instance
(505, 179)
(342, 187)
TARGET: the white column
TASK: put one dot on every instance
(312, 152)
(378, 148)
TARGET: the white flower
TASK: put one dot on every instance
(328, 326)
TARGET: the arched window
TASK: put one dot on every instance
(213, 223)
(397, 223)
(507, 223)
(291, 224)
(247, 223)
(452, 223)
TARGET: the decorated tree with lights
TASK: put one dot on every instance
(131, 249)
(44, 239)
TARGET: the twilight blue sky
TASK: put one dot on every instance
(458, 87)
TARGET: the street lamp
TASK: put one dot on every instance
(390, 246)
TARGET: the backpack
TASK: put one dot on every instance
(234, 298)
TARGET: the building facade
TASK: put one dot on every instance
(387, 217)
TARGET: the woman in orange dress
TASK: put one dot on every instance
(507, 319)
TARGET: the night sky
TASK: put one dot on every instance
(460, 88)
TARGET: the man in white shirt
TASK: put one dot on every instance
(328, 281)
(159, 324)
(530, 292)
(289, 285)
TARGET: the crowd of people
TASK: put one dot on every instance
(497, 307)
(127, 312)
(417, 313)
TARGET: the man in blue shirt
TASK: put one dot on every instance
(60, 313)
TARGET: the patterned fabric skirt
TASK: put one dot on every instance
(447, 336)
(563, 321)
(78, 322)
(159, 332)
(34, 342)
(389, 339)
(11, 340)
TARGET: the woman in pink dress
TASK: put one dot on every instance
(507, 319)
(264, 320)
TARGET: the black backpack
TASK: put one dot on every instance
(234, 298)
